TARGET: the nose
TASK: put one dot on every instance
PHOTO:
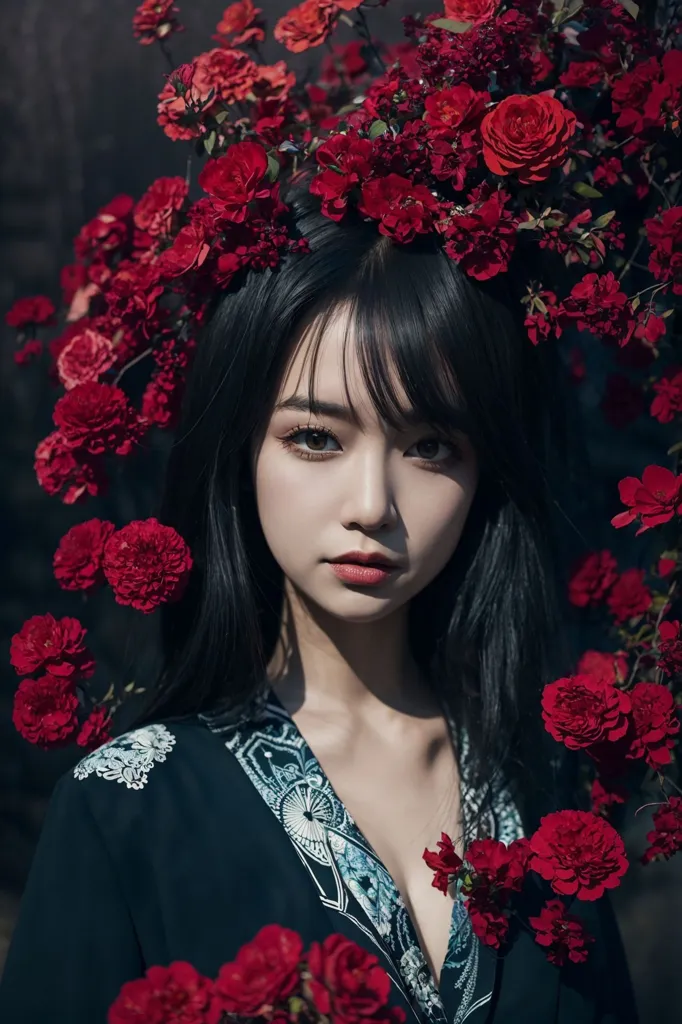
(369, 500)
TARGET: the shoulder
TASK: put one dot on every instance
(129, 759)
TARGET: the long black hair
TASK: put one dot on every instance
(488, 630)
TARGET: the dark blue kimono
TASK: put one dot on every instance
(180, 840)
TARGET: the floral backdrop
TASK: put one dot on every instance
(78, 110)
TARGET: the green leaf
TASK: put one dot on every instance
(668, 312)
(675, 448)
(540, 306)
(631, 7)
(526, 225)
(377, 128)
(209, 142)
(567, 13)
(635, 303)
(129, 687)
(586, 191)
(451, 25)
(221, 115)
(605, 219)
(273, 167)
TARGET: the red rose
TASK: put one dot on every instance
(240, 24)
(98, 418)
(236, 179)
(44, 712)
(654, 499)
(174, 993)
(592, 576)
(582, 710)
(443, 863)
(563, 935)
(155, 210)
(56, 647)
(188, 252)
(95, 730)
(60, 471)
(85, 357)
(402, 208)
(609, 665)
(35, 310)
(666, 835)
(307, 25)
(629, 596)
(146, 564)
(578, 853)
(656, 724)
(348, 984)
(527, 136)
(155, 19)
(263, 975)
(473, 12)
(77, 561)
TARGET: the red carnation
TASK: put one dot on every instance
(351, 160)
(527, 136)
(98, 418)
(445, 863)
(482, 241)
(609, 665)
(578, 853)
(95, 730)
(489, 919)
(44, 712)
(668, 389)
(56, 647)
(188, 252)
(664, 234)
(656, 724)
(77, 561)
(60, 471)
(240, 24)
(307, 25)
(146, 564)
(230, 73)
(155, 211)
(582, 74)
(402, 208)
(458, 107)
(85, 357)
(666, 836)
(562, 934)
(348, 984)
(155, 19)
(629, 596)
(264, 973)
(670, 645)
(236, 179)
(598, 305)
(592, 576)
(607, 791)
(473, 12)
(35, 310)
(174, 993)
(654, 499)
(583, 710)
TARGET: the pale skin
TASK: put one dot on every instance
(342, 666)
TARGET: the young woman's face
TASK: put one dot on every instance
(325, 487)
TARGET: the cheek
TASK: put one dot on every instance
(436, 525)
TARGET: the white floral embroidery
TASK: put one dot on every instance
(130, 757)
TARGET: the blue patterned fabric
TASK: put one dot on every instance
(349, 876)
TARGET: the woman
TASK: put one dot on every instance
(318, 724)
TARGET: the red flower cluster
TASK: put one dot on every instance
(29, 311)
(666, 836)
(155, 20)
(562, 934)
(335, 979)
(653, 500)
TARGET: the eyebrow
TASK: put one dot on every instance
(412, 417)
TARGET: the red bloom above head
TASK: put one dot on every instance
(582, 710)
(236, 179)
(592, 576)
(483, 239)
(56, 647)
(240, 24)
(563, 935)
(598, 305)
(263, 975)
(67, 473)
(45, 712)
(155, 19)
(403, 209)
(154, 211)
(654, 499)
(98, 418)
(146, 564)
(666, 835)
(656, 724)
(460, 106)
(77, 561)
(348, 984)
(85, 357)
(578, 853)
(474, 12)
(177, 992)
(35, 310)
(527, 136)
(307, 25)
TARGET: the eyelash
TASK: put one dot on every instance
(289, 444)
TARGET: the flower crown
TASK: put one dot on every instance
(494, 123)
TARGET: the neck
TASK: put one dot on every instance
(322, 663)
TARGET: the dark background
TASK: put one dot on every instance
(78, 126)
